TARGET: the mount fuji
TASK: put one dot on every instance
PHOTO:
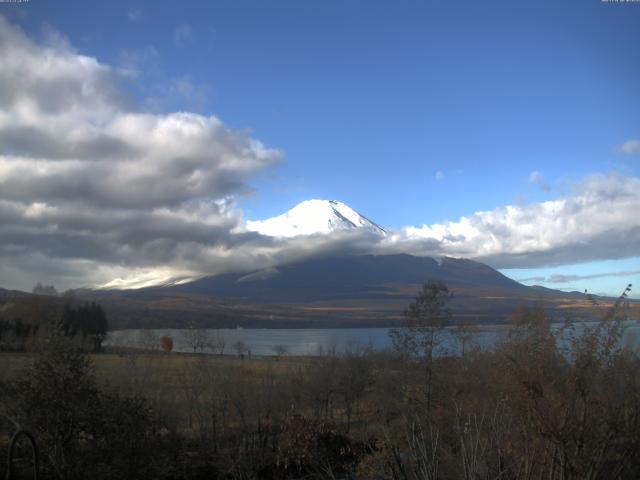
(332, 291)
(313, 217)
(329, 289)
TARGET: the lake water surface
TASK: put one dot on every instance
(314, 341)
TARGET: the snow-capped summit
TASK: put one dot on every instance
(314, 217)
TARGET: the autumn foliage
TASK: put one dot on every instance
(531, 408)
(166, 343)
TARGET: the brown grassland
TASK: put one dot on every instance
(528, 409)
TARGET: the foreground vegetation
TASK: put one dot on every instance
(527, 410)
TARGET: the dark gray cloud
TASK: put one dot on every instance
(29, 141)
(91, 188)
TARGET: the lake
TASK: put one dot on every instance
(313, 341)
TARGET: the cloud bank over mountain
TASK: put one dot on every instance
(94, 190)
(90, 186)
(598, 220)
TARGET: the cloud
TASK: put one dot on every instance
(439, 175)
(134, 16)
(92, 188)
(183, 34)
(132, 63)
(185, 88)
(537, 279)
(143, 66)
(537, 178)
(598, 221)
(630, 147)
(561, 278)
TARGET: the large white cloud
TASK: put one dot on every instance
(91, 187)
(598, 220)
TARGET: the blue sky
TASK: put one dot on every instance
(411, 112)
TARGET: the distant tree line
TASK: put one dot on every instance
(47, 290)
(86, 324)
(14, 334)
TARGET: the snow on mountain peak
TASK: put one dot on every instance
(314, 217)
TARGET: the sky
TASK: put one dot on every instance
(136, 138)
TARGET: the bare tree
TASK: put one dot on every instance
(149, 340)
(192, 386)
(321, 383)
(280, 350)
(354, 377)
(425, 320)
(216, 342)
(420, 458)
(213, 409)
(197, 338)
(240, 347)
(464, 333)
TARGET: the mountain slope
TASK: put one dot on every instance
(341, 277)
(341, 291)
(314, 217)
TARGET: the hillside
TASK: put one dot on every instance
(349, 277)
(338, 292)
